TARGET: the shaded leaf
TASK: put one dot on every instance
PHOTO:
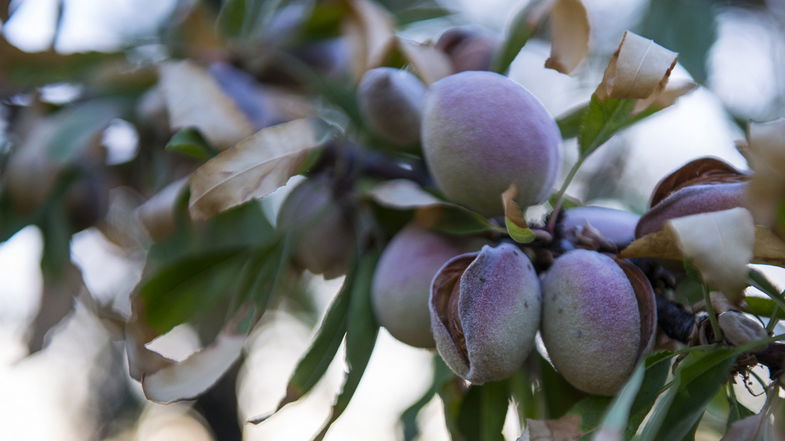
(179, 291)
(615, 420)
(523, 27)
(453, 219)
(483, 411)
(696, 380)
(361, 333)
(569, 35)
(314, 363)
(194, 99)
(252, 169)
(57, 299)
(441, 374)
(689, 28)
(191, 143)
(157, 214)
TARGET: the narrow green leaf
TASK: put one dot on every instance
(314, 363)
(657, 368)
(441, 374)
(452, 394)
(76, 126)
(591, 410)
(570, 123)
(758, 280)
(361, 332)
(455, 220)
(618, 413)
(696, 380)
(191, 143)
(483, 411)
(761, 306)
(520, 31)
(560, 395)
(601, 121)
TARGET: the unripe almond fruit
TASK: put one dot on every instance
(391, 101)
(483, 132)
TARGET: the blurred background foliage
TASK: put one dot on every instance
(85, 141)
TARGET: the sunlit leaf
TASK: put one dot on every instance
(252, 169)
(569, 35)
(638, 69)
(191, 143)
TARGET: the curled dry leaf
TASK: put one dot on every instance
(738, 329)
(165, 380)
(157, 214)
(513, 217)
(371, 34)
(639, 68)
(194, 99)
(769, 249)
(429, 63)
(252, 169)
(665, 97)
(720, 244)
(567, 428)
(751, 428)
(569, 35)
(402, 194)
(766, 154)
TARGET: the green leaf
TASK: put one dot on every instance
(560, 395)
(314, 363)
(696, 380)
(76, 126)
(518, 233)
(616, 417)
(657, 368)
(361, 332)
(601, 121)
(591, 410)
(452, 394)
(179, 291)
(688, 28)
(570, 123)
(441, 374)
(761, 306)
(483, 411)
(758, 280)
(232, 17)
(518, 33)
(191, 143)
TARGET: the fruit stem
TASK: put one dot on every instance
(560, 194)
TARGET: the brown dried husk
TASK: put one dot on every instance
(446, 293)
(647, 305)
(697, 172)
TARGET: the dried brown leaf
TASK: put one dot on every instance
(157, 214)
(252, 169)
(747, 429)
(194, 99)
(567, 428)
(512, 210)
(429, 63)
(402, 194)
(638, 69)
(371, 34)
(569, 35)
(766, 154)
(665, 97)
